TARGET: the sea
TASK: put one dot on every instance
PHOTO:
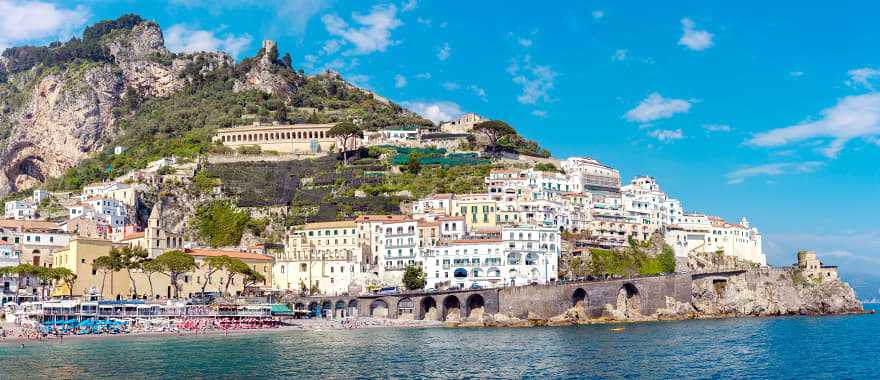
(829, 347)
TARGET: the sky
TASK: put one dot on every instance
(764, 110)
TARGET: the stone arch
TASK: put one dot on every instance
(428, 308)
(22, 166)
(451, 308)
(475, 306)
(353, 308)
(379, 309)
(405, 309)
(629, 300)
(340, 309)
(579, 298)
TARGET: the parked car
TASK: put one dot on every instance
(389, 290)
(476, 286)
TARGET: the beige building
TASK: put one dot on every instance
(282, 138)
(322, 255)
(80, 255)
(812, 268)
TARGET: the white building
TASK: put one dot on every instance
(325, 256)
(106, 211)
(591, 174)
(698, 233)
(20, 210)
(520, 256)
(120, 192)
(644, 200)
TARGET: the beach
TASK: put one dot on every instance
(17, 335)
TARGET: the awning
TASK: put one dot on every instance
(280, 308)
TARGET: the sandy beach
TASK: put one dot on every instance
(17, 335)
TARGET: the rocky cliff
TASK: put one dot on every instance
(265, 73)
(765, 292)
(55, 114)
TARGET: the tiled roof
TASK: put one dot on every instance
(382, 218)
(323, 225)
(28, 224)
(132, 236)
(232, 254)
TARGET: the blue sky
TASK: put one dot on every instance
(738, 108)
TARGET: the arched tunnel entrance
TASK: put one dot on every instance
(628, 300)
(451, 308)
(428, 309)
(579, 298)
(475, 306)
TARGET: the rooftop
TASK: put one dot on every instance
(233, 254)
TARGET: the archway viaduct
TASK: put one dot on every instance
(642, 295)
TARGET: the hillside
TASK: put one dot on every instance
(65, 106)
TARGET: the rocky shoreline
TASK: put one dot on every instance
(761, 292)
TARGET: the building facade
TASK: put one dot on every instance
(282, 138)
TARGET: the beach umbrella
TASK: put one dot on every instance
(70, 322)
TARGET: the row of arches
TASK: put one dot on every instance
(628, 299)
(274, 136)
(450, 308)
(329, 309)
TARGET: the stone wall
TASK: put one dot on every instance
(547, 301)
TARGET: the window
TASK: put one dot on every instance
(303, 267)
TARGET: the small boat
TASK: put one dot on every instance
(618, 329)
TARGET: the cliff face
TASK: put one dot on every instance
(264, 75)
(765, 292)
(56, 116)
(64, 116)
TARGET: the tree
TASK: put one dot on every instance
(413, 166)
(287, 61)
(234, 267)
(213, 264)
(66, 276)
(175, 263)
(105, 265)
(151, 267)
(667, 259)
(414, 277)
(45, 277)
(252, 277)
(494, 130)
(131, 258)
(345, 131)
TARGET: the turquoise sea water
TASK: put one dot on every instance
(788, 347)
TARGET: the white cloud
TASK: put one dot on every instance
(838, 253)
(479, 92)
(536, 80)
(451, 86)
(694, 39)
(524, 42)
(619, 55)
(180, 38)
(796, 73)
(359, 80)
(290, 16)
(864, 77)
(539, 113)
(409, 5)
(667, 135)
(424, 21)
(423, 76)
(34, 21)
(331, 47)
(852, 117)
(399, 81)
(774, 169)
(374, 32)
(656, 107)
(444, 24)
(437, 112)
(717, 127)
(598, 14)
(443, 52)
